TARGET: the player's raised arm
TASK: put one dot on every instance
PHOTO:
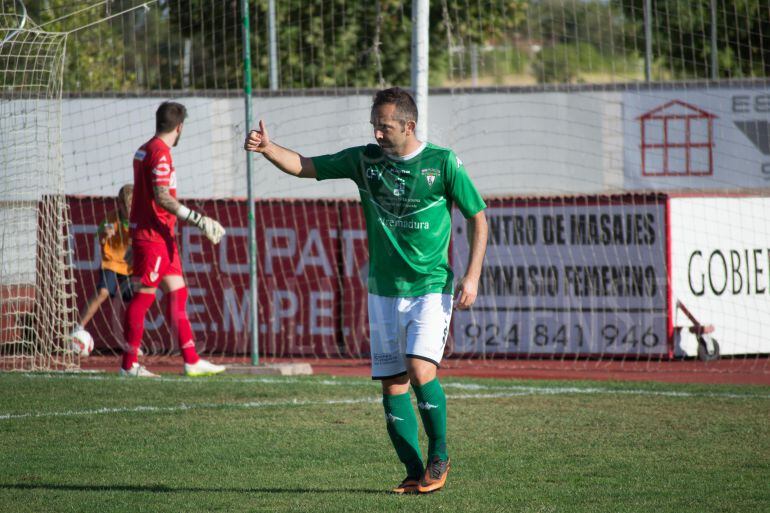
(288, 161)
(211, 229)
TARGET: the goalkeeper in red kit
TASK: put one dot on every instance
(156, 262)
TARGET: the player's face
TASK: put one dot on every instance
(391, 133)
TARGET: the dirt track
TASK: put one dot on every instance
(748, 371)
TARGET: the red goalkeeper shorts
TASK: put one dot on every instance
(153, 261)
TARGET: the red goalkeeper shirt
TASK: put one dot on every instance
(152, 168)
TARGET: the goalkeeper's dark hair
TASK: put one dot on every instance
(169, 116)
(406, 108)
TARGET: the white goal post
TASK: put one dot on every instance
(36, 300)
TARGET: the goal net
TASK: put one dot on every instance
(37, 303)
(623, 153)
(632, 163)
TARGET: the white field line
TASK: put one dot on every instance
(530, 390)
(512, 391)
(186, 407)
(226, 405)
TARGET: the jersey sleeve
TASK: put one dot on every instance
(338, 165)
(160, 165)
(460, 188)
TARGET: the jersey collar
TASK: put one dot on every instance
(410, 155)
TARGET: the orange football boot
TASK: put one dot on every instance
(435, 475)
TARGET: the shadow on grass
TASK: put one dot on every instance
(169, 489)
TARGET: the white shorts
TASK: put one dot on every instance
(407, 327)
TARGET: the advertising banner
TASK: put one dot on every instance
(298, 276)
(354, 279)
(570, 275)
(706, 139)
(720, 262)
(585, 276)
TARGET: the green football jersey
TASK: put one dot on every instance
(407, 205)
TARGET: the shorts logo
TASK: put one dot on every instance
(154, 272)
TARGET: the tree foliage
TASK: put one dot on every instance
(95, 56)
(197, 44)
(681, 36)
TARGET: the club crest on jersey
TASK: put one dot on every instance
(430, 175)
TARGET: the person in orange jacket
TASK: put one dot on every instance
(115, 242)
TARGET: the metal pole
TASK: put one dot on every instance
(714, 60)
(420, 13)
(252, 239)
(273, 45)
(474, 65)
(648, 40)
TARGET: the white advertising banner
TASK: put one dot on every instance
(582, 276)
(706, 138)
(720, 269)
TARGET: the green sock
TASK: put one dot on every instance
(402, 428)
(431, 402)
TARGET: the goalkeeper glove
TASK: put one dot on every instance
(211, 229)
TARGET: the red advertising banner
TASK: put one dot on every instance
(355, 271)
(299, 253)
(298, 277)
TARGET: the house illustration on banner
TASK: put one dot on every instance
(677, 140)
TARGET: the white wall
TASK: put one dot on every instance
(101, 135)
(510, 143)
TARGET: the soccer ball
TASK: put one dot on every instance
(82, 342)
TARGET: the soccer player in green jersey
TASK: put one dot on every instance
(407, 188)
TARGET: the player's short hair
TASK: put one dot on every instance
(125, 191)
(169, 116)
(406, 108)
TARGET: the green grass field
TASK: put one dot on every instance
(97, 443)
